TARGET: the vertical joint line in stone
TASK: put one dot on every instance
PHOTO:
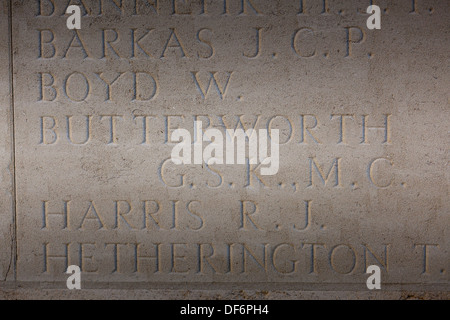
(13, 142)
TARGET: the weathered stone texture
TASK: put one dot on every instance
(364, 129)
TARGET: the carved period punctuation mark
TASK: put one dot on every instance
(74, 21)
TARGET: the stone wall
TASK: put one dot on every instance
(87, 179)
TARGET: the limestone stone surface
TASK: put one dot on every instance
(7, 251)
(363, 117)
